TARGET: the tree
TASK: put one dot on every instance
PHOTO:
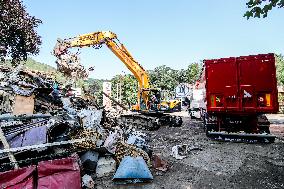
(95, 87)
(193, 72)
(18, 37)
(280, 69)
(261, 7)
(182, 76)
(164, 77)
(129, 88)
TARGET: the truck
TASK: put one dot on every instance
(239, 92)
(197, 105)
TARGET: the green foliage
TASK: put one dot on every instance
(193, 72)
(182, 76)
(34, 65)
(129, 89)
(280, 69)
(18, 37)
(94, 87)
(167, 79)
(258, 8)
(280, 97)
(31, 64)
(38, 66)
(163, 77)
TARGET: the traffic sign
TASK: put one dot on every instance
(182, 90)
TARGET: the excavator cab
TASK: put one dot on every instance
(152, 102)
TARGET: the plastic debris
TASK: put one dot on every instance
(88, 182)
(178, 150)
(105, 166)
(110, 142)
(89, 161)
(132, 170)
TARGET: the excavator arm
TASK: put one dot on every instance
(108, 38)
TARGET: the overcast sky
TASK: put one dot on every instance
(158, 32)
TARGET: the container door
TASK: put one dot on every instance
(222, 85)
(256, 77)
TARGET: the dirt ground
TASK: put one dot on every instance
(213, 164)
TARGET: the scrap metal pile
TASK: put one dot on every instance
(45, 132)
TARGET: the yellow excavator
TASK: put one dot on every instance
(169, 103)
(151, 112)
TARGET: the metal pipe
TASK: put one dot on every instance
(23, 117)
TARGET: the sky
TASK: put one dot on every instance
(157, 32)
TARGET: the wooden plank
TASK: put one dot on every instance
(7, 147)
(24, 105)
(116, 102)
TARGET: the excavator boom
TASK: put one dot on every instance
(97, 39)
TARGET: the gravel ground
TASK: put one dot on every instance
(213, 164)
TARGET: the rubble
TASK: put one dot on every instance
(88, 182)
(102, 135)
(44, 127)
(160, 164)
(89, 161)
(105, 166)
(181, 151)
(68, 62)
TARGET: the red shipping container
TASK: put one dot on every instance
(241, 85)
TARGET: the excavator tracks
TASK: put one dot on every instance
(146, 122)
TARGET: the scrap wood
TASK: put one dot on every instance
(115, 101)
(160, 164)
(7, 147)
(24, 105)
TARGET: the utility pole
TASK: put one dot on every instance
(117, 96)
(121, 76)
(120, 89)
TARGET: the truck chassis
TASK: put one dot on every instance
(245, 128)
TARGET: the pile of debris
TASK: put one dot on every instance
(67, 62)
(52, 139)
